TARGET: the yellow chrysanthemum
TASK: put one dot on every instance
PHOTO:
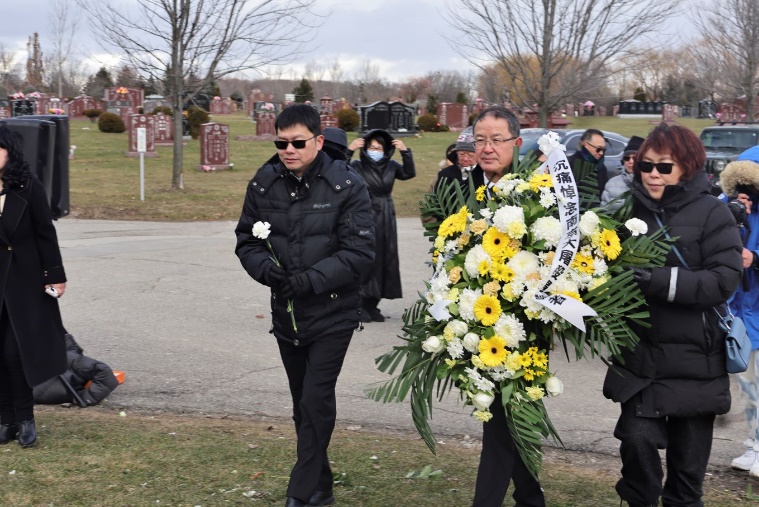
(478, 226)
(448, 334)
(540, 180)
(453, 294)
(479, 194)
(522, 187)
(454, 275)
(435, 255)
(483, 267)
(454, 224)
(501, 272)
(439, 242)
(495, 243)
(529, 374)
(535, 393)
(540, 373)
(531, 314)
(493, 351)
(513, 248)
(540, 360)
(525, 360)
(464, 240)
(608, 242)
(487, 309)
(450, 363)
(516, 229)
(482, 415)
(477, 363)
(508, 293)
(491, 288)
(512, 361)
(583, 264)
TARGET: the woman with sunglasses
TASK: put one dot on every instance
(380, 172)
(611, 197)
(674, 382)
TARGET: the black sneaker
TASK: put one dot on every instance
(365, 317)
(376, 316)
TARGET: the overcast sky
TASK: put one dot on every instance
(403, 38)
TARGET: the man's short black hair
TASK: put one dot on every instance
(299, 114)
(588, 134)
(500, 113)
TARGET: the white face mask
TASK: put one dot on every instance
(375, 155)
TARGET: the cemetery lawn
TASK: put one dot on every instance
(96, 458)
(105, 184)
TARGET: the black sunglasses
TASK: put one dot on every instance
(662, 167)
(297, 144)
(628, 157)
(599, 149)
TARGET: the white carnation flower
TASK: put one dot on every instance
(506, 215)
(589, 222)
(636, 226)
(261, 230)
(466, 303)
(471, 342)
(510, 329)
(474, 257)
(548, 229)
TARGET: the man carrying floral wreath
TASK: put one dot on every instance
(307, 231)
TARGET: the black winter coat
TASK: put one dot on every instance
(30, 259)
(384, 282)
(322, 226)
(679, 365)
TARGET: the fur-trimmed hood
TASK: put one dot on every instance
(740, 173)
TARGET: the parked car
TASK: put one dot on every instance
(723, 144)
(615, 145)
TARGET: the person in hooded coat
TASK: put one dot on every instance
(32, 348)
(380, 172)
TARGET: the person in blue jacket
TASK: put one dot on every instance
(740, 182)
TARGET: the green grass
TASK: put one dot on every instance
(105, 183)
(95, 458)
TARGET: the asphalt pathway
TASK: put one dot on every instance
(170, 305)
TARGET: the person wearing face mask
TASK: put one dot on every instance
(611, 197)
(379, 171)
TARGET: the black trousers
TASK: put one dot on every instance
(312, 373)
(16, 396)
(688, 441)
(500, 463)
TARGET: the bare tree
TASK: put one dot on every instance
(552, 48)
(9, 68)
(730, 32)
(63, 28)
(203, 39)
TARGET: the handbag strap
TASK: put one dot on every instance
(724, 320)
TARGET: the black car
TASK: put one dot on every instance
(615, 145)
(723, 144)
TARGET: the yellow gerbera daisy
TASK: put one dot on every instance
(493, 351)
(608, 242)
(501, 272)
(540, 180)
(583, 264)
(487, 309)
(495, 243)
(454, 224)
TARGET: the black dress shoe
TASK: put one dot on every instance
(320, 498)
(365, 317)
(294, 502)
(27, 433)
(376, 316)
(8, 432)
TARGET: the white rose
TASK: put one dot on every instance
(261, 230)
(636, 226)
(459, 328)
(482, 401)
(433, 345)
(471, 342)
(588, 223)
(554, 386)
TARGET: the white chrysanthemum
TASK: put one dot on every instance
(599, 266)
(466, 303)
(471, 342)
(478, 380)
(474, 257)
(500, 373)
(457, 327)
(456, 349)
(451, 246)
(547, 229)
(439, 288)
(547, 316)
(510, 329)
(549, 142)
(547, 198)
(486, 213)
(589, 222)
(528, 302)
(506, 215)
(636, 226)
(582, 280)
(564, 284)
(523, 264)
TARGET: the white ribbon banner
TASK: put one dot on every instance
(568, 199)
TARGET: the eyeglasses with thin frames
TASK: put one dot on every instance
(298, 144)
(662, 167)
(494, 143)
(599, 149)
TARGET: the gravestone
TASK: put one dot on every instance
(126, 114)
(214, 147)
(146, 121)
(134, 96)
(5, 109)
(265, 123)
(22, 107)
(394, 117)
(164, 130)
(455, 115)
(669, 113)
(79, 104)
(256, 96)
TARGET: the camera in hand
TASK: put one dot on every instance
(738, 209)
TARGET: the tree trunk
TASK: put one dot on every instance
(177, 177)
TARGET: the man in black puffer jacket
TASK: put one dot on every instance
(322, 245)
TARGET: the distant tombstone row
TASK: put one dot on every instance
(395, 117)
(455, 115)
(223, 106)
(648, 108)
(255, 98)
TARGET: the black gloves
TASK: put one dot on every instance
(295, 286)
(642, 277)
(274, 276)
